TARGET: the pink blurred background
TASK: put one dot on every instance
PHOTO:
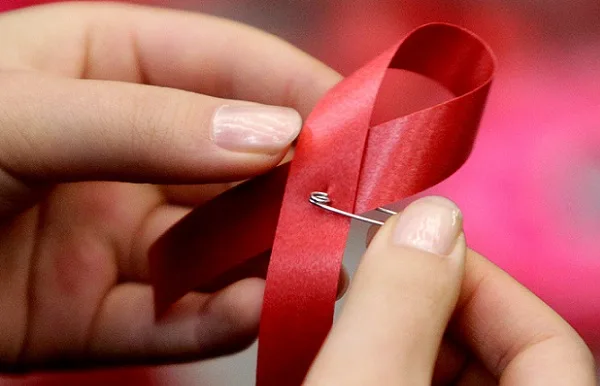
(531, 190)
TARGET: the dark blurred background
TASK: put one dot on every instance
(531, 189)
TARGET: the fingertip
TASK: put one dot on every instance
(198, 326)
(239, 305)
(233, 316)
(432, 224)
(255, 128)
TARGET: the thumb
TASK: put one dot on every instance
(56, 129)
(400, 301)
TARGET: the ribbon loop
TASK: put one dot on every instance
(359, 165)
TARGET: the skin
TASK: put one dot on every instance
(105, 113)
(439, 320)
(73, 255)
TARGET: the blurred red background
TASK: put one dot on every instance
(531, 190)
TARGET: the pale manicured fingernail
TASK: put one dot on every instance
(255, 128)
(430, 224)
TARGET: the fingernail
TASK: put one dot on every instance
(430, 224)
(255, 128)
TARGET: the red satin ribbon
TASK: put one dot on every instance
(359, 165)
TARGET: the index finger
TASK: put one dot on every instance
(521, 340)
(163, 47)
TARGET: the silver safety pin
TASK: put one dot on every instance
(322, 200)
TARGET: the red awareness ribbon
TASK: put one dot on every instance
(361, 167)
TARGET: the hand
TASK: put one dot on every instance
(423, 309)
(96, 92)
